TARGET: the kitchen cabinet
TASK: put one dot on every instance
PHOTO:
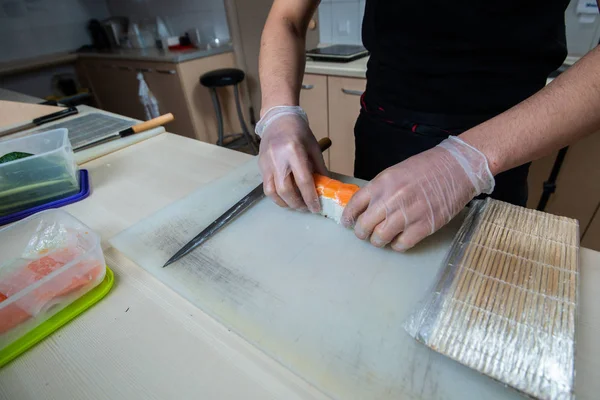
(591, 237)
(115, 88)
(163, 81)
(577, 192)
(332, 104)
(176, 86)
(313, 99)
(344, 107)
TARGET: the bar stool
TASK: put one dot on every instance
(221, 78)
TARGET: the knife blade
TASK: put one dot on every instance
(67, 112)
(238, 208)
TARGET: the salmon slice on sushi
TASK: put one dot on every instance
(334, 196)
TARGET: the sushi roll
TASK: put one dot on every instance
(334, 196)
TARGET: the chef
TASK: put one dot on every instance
(455, 108)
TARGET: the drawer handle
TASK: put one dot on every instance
(353, 92)
(166, 71)
(144, 70)
(307, 87)
(125, 68)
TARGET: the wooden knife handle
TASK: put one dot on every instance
(153, 123)
(324, 143)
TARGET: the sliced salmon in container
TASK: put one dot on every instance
(47, 261)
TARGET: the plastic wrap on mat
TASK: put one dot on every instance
(505, 303)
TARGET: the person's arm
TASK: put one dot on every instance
(558, 115)
(282, 56)
(416, 197)
(289, 152)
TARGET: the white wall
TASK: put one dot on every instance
(340, 23)
(580, 37)
(178, 15)
(30, 28)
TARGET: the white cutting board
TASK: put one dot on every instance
(308, 293)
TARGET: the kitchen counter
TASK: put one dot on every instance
(358, 68)
(352, 69)
(154, 54)
(144, 341)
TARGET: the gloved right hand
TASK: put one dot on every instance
(289, 154)
(414, 198)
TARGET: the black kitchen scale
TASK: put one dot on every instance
(338, 53)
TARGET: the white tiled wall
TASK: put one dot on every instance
(30, 28)
(340, 21)
(179, 15)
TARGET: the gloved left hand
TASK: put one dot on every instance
(413, 199)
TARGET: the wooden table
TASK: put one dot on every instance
(144, 341)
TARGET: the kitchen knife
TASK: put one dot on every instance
(254, 196)
(141, 127)
(67, 112)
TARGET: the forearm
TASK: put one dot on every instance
(282, 59)
(558, 115)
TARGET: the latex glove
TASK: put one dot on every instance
(413, 199)
(289, 154)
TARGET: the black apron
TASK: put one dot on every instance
(382, 142)
(438, 68)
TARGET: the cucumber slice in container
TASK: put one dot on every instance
(15, 155)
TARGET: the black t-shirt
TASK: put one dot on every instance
(461, 56)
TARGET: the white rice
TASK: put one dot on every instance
(331, 209)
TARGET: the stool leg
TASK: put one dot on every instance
(215, 100)
(242, 122)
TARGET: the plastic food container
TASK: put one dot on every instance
(49, 174)
(47, 261)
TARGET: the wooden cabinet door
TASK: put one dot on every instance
(96, 78)
(344, 107)
(115, 87)
(164, 84)
(313, 99)
(591, 237)
(577, 190)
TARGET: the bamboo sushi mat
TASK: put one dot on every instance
(506, 302)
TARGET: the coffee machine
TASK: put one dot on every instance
(115, 28)
(107, 34)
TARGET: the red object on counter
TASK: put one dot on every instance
(36, 270)
(179, 47)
